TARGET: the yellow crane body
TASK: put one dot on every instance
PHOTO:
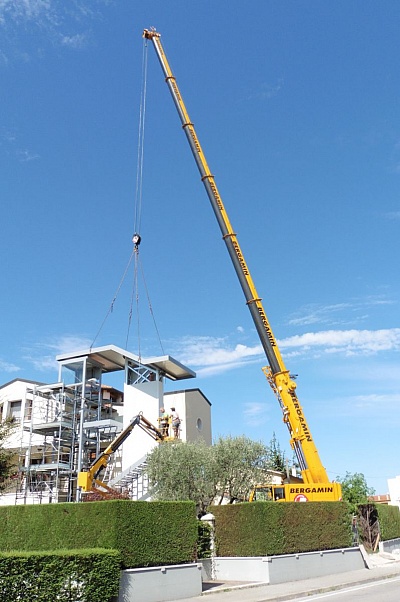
(88, 481)
(314, 475)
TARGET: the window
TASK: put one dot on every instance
(28, 409)
(14, 410)
(262, 494)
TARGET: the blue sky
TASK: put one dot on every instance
(296, 106)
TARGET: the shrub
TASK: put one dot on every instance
(65, 576)
(266, 528)
(145, 533)
(203, 540)
(389, 521)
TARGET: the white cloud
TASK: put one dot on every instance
(209, 356)
(43, 355)
(69, 342)
(392, 215)
(267, 91)
(313, 314)
(374, 401)
(56, 22)
(360, 342)
(10, 141)
(382, 408)
(255, 413)
(25, 156)
(215, 355)
(7, 367)
(26, 10)
(333, 314)
(77, 41)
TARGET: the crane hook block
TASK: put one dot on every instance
(136, 239)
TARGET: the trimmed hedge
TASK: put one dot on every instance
(145, 533)
(267, 528)
(377, 521)
(70, 576)
(389, 521)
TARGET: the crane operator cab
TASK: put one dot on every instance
(265, 493)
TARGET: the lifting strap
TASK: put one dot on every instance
(134, 298)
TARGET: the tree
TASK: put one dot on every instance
(197, 472)
(240, 463)
(355, 489)
(7, 467)
(278, 458)
(182, 471)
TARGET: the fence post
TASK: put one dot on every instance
(210, 519)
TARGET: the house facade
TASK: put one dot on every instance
(61, 428)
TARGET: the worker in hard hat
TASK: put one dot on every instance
(176, 422)
(164, 422)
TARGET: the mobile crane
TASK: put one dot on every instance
(316, 485)
(88, 480)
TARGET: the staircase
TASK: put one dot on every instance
(133, 480)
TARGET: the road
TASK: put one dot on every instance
(386, 589)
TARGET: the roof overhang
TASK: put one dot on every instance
(112, 359)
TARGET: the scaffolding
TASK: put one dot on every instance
(66, 425)
(48, 443)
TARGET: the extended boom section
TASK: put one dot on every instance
(278, 376)
(88, 480)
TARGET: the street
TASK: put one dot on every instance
(386, 589)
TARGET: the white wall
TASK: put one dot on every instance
(145, 398)
(16, 391)
(394, 491)
(195, 413)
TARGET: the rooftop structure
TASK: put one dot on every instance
(64, 426)
(111, 359)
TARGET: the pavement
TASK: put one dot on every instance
(381, 566)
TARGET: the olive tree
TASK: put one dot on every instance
(182, 471)
(194, 471)
(240, 463)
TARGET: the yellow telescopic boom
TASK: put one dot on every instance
(88, 481)
(278, 376)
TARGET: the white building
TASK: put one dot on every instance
(394, 491)
(63, 427)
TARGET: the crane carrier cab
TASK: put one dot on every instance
(297, 492)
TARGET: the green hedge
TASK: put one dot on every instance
(204, 531)
(389, 521)
(145, 533)
(266, 528)
(70, 576)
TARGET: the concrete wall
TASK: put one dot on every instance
(294, 567)
(145, 398)
(160, 584)
(390, 546)
(281, 569)
(194, 410)
(236, 569)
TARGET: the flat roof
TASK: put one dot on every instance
(112, 358)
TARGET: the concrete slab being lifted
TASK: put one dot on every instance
(112, 359)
